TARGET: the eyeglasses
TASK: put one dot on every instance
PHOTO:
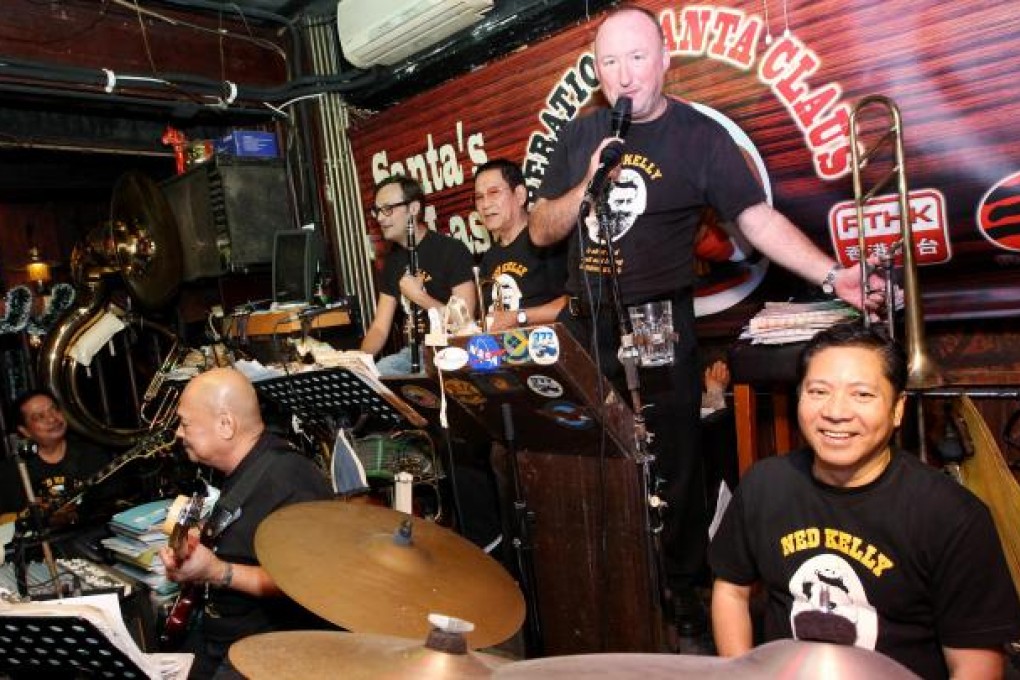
(492, 193)
(386, 210)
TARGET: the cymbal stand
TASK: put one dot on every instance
(522, 543)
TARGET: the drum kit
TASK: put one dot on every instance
(394, 580)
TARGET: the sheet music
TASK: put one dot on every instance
(103, 611)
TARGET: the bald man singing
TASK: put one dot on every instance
(221, 427)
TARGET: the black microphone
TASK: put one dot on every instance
(611, 154)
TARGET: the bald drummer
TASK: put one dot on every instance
(221, 427)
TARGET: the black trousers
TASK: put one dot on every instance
(672, 395)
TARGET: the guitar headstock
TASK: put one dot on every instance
(184, 513)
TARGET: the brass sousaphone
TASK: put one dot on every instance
(101, 355)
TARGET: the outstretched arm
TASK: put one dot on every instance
(781, 241)
(974, 664)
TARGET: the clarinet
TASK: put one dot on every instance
(412, 269)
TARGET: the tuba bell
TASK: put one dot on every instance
(98, 356)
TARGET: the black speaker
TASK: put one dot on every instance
(294, 260)
(228, 210)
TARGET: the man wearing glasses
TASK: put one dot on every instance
(444, 268)
(526, 281)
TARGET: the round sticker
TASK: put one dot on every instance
(484, 353)
(544, 386)
(543, 346)
(451, 359)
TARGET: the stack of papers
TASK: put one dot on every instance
(780, 323)
(138, 536)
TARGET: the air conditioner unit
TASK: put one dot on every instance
(388, 31)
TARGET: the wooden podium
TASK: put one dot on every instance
(595, 571)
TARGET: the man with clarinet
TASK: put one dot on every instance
(421, 273)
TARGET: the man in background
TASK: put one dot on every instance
(444, 270)
(526, 281)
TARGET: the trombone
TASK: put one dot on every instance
(922, 373)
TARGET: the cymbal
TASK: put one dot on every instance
(343, 562)
(787, 659)
(147, 243)
(308, 655)
(800, 660)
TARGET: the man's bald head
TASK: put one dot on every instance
(220, 419)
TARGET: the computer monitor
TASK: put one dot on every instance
(294, 260)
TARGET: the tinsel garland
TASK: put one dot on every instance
(19, 306)
(18, 316)
(58, 304)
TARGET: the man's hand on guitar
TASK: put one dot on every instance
(199, 564)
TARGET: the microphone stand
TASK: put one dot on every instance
(41, 528)
(522, 543)
(412, 269)
(628, 356)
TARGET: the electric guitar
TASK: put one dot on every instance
(154, 444)
(184, 514)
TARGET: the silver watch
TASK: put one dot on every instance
(829, 282)
(522, 317)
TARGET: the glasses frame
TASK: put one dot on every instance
(386, 210)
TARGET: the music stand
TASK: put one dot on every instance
(56, 644)
(338, 392)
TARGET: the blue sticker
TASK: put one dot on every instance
(484, 353)
(543, 346)
(568, 414)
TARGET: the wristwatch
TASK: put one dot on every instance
(829, 282)
(522, 317)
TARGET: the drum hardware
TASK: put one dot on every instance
(374, 570)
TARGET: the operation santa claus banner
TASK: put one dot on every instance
(783, 79)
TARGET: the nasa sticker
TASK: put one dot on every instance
(497, 382)
(544, 386)
(515, 343)
(543, 346)
(484, 353)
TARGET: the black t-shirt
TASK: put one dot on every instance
(905, 565)
(522, 274)
(82, 460)
(445, 262)
(289, 479)
(672, 169)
